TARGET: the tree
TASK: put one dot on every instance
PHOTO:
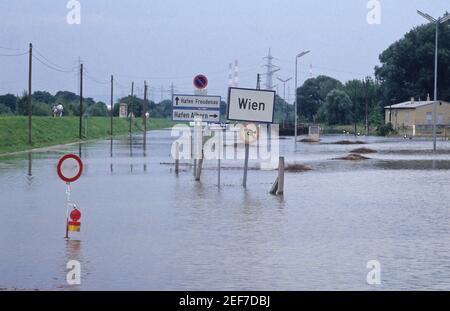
(5, 110)
(360, 93)
(135, 105)
(98, 109)
(312, 94)
(407, 66)
(9, 101)
(337, 108)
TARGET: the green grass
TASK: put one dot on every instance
(48, 131)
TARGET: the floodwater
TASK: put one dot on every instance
(144, 228)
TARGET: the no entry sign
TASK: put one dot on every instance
(200, 82)
(70, 168)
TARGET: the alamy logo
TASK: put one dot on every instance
(374, 275)
(374, 14)
(202, 142)
(74, 15)
(73, 277)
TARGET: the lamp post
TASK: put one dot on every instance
(296, 81)
(284, 81)
(438, 21)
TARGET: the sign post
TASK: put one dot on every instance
(69, 169)
(250, 105)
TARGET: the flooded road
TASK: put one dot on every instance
(144, 228)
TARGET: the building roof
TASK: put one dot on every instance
(411, 104)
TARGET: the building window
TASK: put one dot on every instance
(440, 119)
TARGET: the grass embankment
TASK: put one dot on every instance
(48, 131)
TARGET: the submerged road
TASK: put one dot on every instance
(144, 228)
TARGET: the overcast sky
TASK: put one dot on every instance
(165, 41)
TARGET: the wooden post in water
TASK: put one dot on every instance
(199, 168)
(177, 158)
(280, 187)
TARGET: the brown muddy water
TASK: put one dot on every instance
(143, 228)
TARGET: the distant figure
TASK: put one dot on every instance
(54, 111)
(60, 110)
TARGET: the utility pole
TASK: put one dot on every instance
(366, 99)
(144, 112)
(296, 81)
(30, 65)
(112, 103)
(81, 100)
(130, 105)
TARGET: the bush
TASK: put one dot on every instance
(385, 129)
(41, 109)
(5, 110)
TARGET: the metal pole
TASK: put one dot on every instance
(295, 103)
(144, 111)
(435, 85)
(112, 105)
(247, 148)
(130, 106)
(284, 101)
(81, 100)
(30, 64)
(67, 210)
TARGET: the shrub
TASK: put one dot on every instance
(385, 129)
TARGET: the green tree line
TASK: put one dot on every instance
(406, 70)
(43, 102)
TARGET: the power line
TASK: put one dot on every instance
(90, 77)
(21, 54)
(10, 49)
(50, 66)
(52, 63)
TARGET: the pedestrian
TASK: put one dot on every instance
(60, 108)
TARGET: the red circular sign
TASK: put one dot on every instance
(200, 82)
(70, 168)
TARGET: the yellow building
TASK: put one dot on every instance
(417, 116)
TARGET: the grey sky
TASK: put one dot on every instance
(166, 41)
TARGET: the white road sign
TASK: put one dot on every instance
(250, 105)
(190, 114)
(187, 107)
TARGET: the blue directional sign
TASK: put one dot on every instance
(187, 107)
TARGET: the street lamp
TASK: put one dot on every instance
(439, 20)
(296, 79)
(284, 90)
